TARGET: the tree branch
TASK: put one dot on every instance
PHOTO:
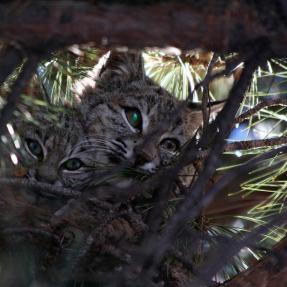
(41, 187)
(231, 25)
(225, 253)
(260, 106)
(10, 58)
(270, 271)
(154, 251)
(244, 145)
(24, 231)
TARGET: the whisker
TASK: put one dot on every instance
(105, 147)
(92, 139)
(98, 151)
(120, 147)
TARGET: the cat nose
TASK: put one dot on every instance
(46, 175)
(143, 154)
(146, 156)
(46, 179)
(142, 157)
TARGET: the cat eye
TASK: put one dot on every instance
(35, 148)
(134, 118)
(72, 164)
(171, 145)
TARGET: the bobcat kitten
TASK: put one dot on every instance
(134, 121)
(50, 144)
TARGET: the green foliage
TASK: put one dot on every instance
(65, 67)
(172, 73)
(175, 73)
(270, 176)
(267, 183)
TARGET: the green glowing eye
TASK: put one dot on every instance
(72, 164)
(35, 148)
(134, 118)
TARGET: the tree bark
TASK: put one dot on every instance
(269, 272)
(226, 25)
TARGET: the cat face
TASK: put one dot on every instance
(134, 128)
(133, 121)
(54, 151)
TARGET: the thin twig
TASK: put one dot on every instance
(217, 263)
(153, 248)
(154, 253)
(205, 97)
(41, 187)
(24, 231)
(244, 145)
(260, 106)
(10, 58)
(212, 76)
(247, 145)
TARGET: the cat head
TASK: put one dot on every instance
(48, 143)
(132, 119)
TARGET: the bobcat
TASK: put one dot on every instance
(51, 146)
(133, 121)
(123, 120)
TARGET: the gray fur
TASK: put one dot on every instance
(61, 137)
(98, 133)
(122, 84)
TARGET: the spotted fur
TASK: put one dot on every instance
(58, 138)
(121, 84)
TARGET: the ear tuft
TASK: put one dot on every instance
(122, 67)
(113, 69)
(36, 90)
(88, 84)
(193, 115)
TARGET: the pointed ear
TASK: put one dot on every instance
(36, 90)
(115, 68)
(122, 67)
(34, 104)
(213, 108)
(193, 115)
